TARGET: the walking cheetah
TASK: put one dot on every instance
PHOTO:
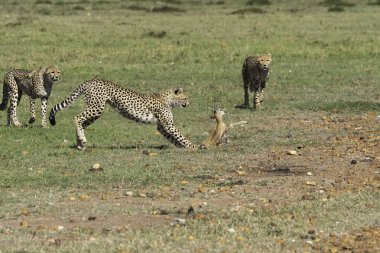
(155, 108)
(34, 83)
(255, 74)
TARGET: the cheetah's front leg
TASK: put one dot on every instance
(262, 95)
(43, 111)
(174, 136)
(256, 95)
(256, 99)
(32, 108)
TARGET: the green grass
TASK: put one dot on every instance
(323, 62)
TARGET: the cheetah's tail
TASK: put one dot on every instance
(65, 103)
(4, 103)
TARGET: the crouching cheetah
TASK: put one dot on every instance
(34, 83)
(255, 74)
(155, 108)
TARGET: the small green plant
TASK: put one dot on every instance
(43, 2)
(258, 2)
(173, 1)
(262, 183)
(135, 7)
(336, 5)
(79, 8)
(156, 34)
(249, 11)
(166, 9)
(332, 3)
(336, 8)
(377, 2)
(45, 11)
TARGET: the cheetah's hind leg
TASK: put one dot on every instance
(83, 120)
(12, 110)
(81, 138)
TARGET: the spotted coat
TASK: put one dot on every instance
(255, 74)
(35, 84)
(155, 108)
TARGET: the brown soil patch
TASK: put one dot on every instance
(361, 240)
(348, 160)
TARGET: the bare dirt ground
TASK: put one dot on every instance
(345, 160)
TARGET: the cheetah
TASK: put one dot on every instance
(34, 83)
(255, 74)
(142, 108)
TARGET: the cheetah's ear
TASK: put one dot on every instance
(42, 70)
(178, 91)
(270, 55)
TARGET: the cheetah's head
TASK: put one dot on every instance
(265, 61)
(53, 73)
(176, 97)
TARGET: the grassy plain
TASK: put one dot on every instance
(249, 195)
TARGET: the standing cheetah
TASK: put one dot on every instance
(34, 83)
(255, 74)
(155, 108)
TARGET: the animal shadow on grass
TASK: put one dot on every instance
(284, 170)
(242, 106)
(156, 34)
(249, 11)
(258, 2)
(377, 2)
(24, 126)
(156, 9)
(118, 146)
(166, 9)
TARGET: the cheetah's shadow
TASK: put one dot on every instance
(126, 147)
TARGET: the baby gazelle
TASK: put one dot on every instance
(218, 135)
